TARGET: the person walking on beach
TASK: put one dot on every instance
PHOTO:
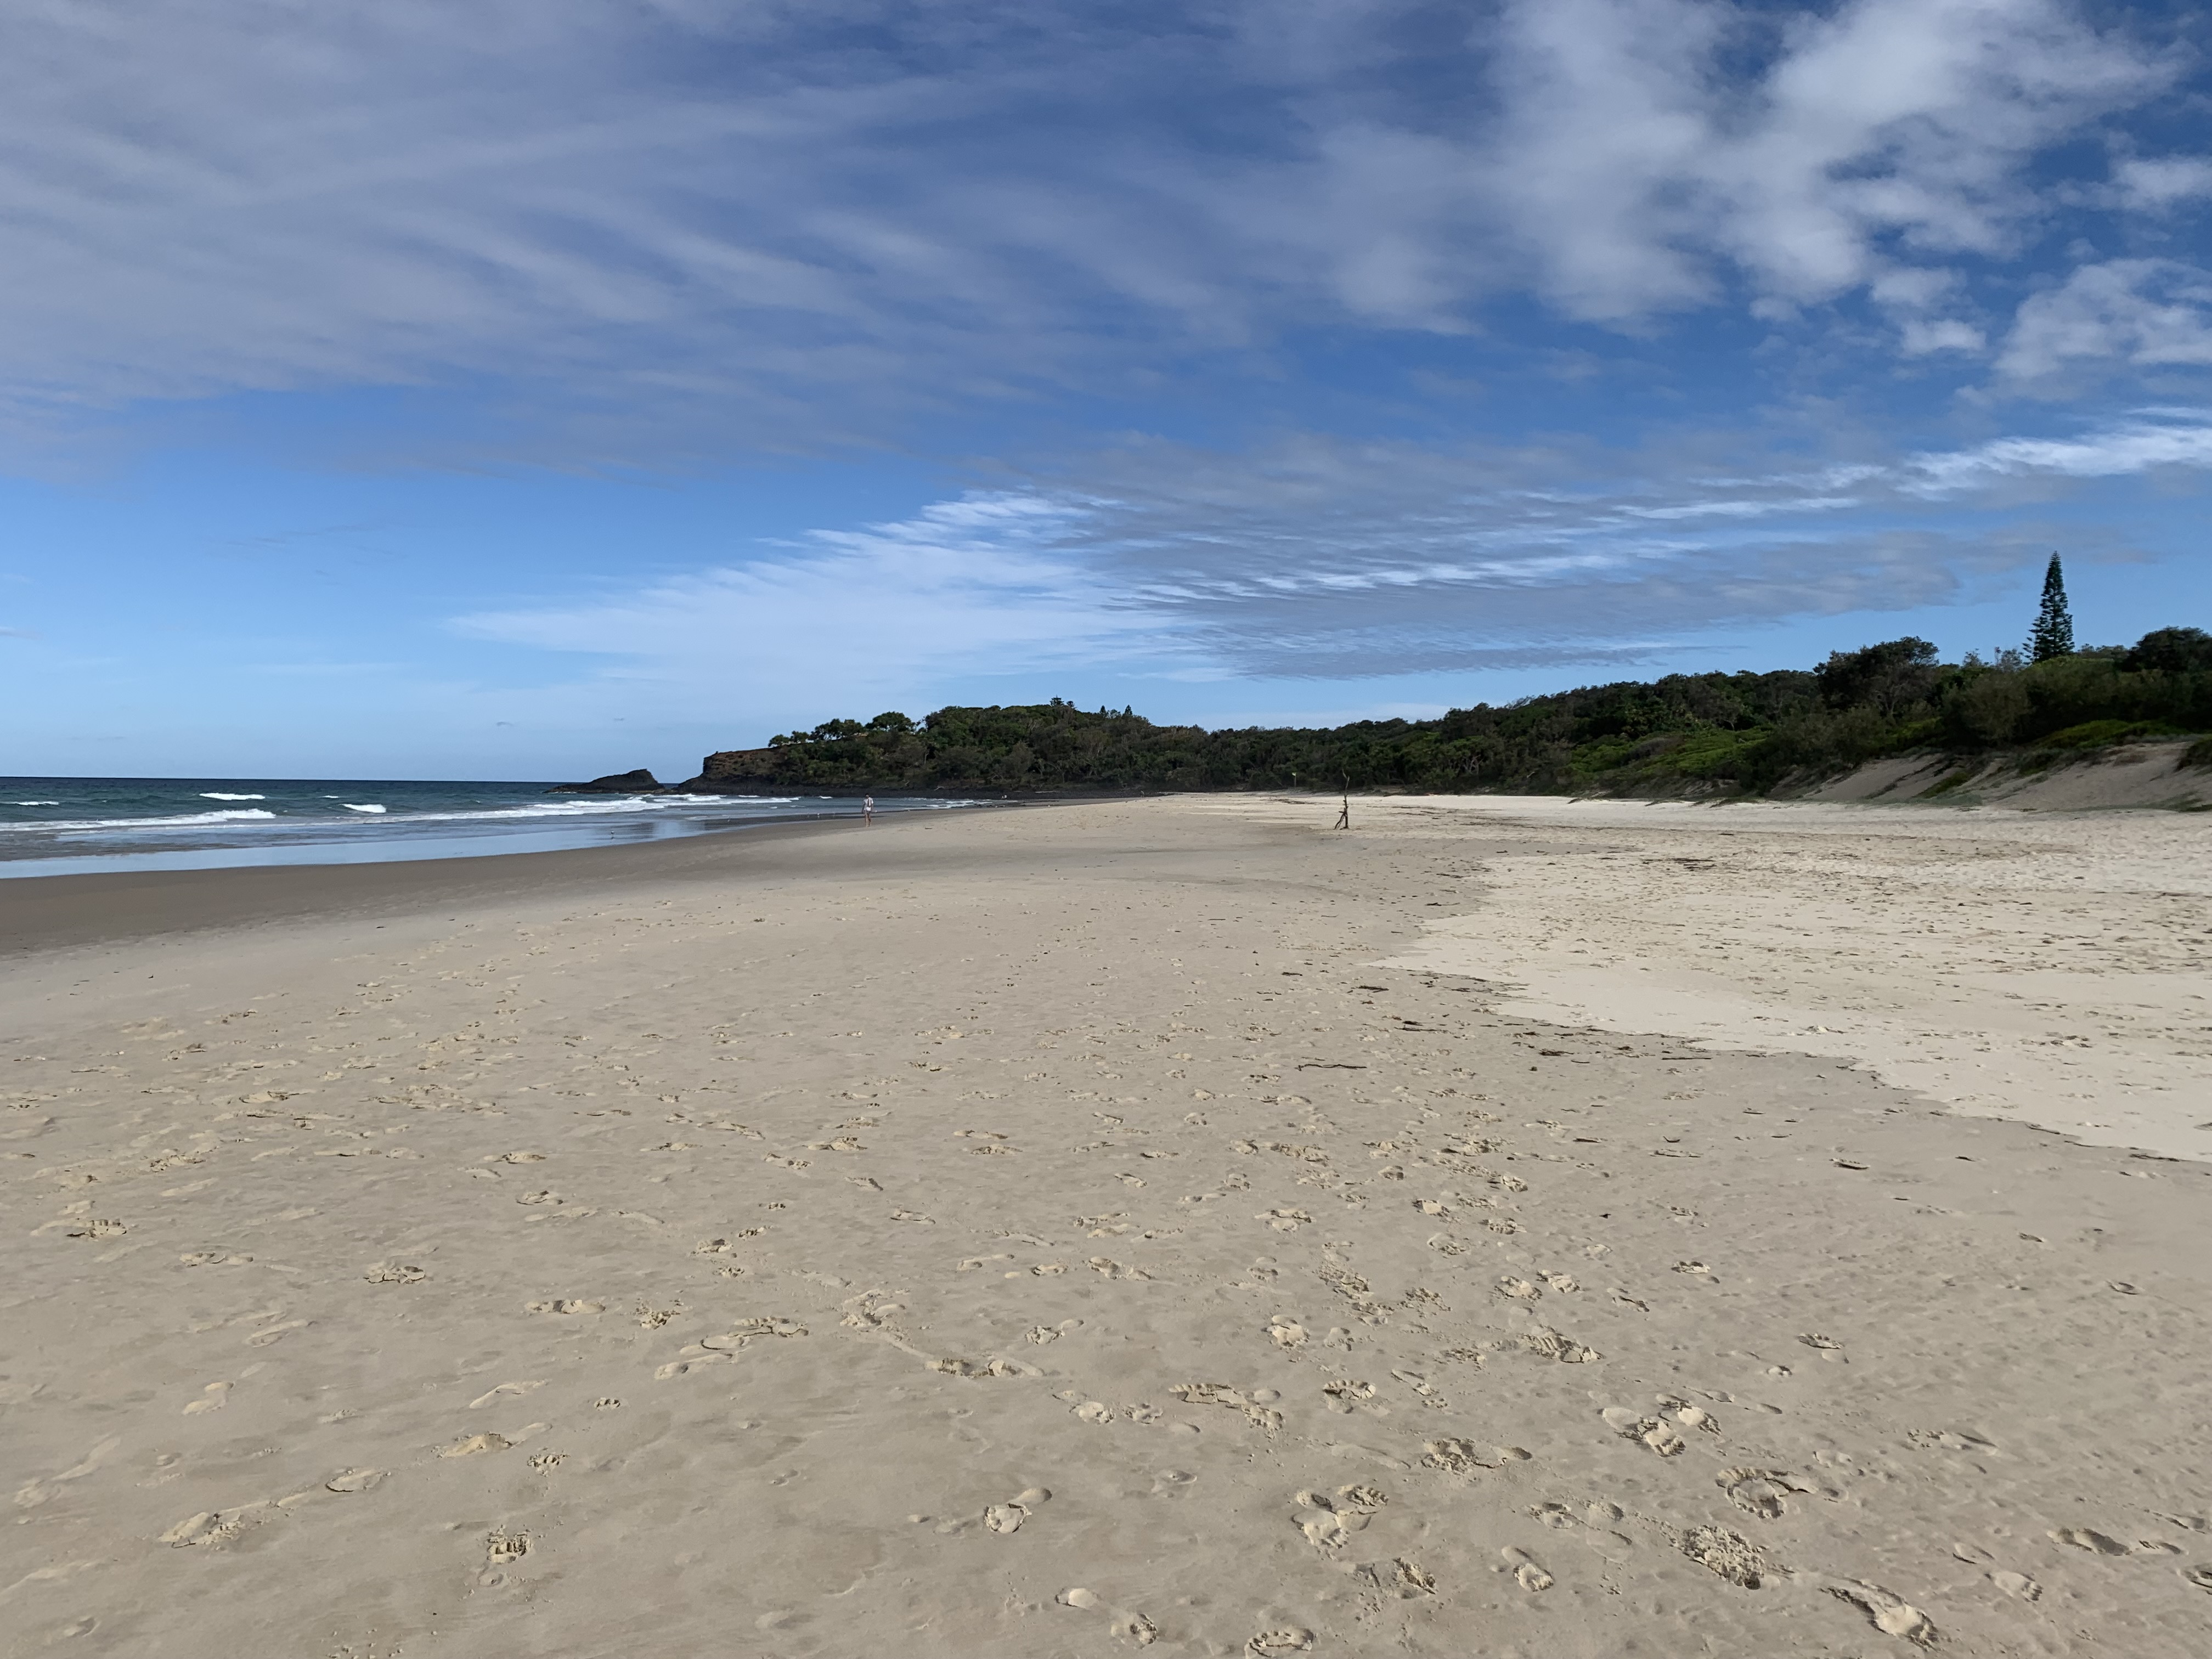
(867, 809)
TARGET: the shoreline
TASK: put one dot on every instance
(48, 912)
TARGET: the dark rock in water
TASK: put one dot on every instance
(640, 782)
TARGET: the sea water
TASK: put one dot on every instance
(72, 826)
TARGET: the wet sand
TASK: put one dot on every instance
(1046, 1232)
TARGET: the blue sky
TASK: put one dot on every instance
(534, 388)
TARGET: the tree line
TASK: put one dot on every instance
(1741, 732)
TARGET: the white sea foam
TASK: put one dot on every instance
(577, 809)
(186, 821)
(402, 820)
(217, 794)
(34, 803)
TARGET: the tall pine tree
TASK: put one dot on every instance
(2053, 633)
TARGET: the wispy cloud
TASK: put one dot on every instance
(667, 228)
(1322, 560)
(986, 583)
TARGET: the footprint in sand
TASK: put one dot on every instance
(1549, 1344)
(1421, 1386)
(2083, 1538)
(1008, 1518)
(2017, 1585)
(564, 1305)
(213, 1399)
(1649, 1432)
(395, 1272)
(1348, 1394)
(209, 1527)
(1257, 1405)
(1113, 1269)
(1594, 1526)
(1689, 1416)
(1269, 1643)
(42, 1489)
(1761, 1492)
(475, 1444)
(355, 1481)
(1398, 1576)
(1455, 1456)
(1728, 1554)
(954, 1366)
(1890, 1614)
(868, 1311)
(1135, 1627)
(1528, 1571)
(1329, 1521)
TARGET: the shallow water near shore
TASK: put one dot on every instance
(81, 826)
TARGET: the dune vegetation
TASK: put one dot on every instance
(1740, 732)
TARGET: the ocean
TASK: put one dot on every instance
(73, 826)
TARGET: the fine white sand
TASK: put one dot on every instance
(2056, 969)
(1054, 1232)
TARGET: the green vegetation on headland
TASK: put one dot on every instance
(1686, 734)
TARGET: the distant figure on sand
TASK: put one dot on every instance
(867, 809)
(1344, 812)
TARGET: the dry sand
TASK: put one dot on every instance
(1055, 1232)
(2056, 969)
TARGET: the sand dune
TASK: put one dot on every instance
(1055, 1232)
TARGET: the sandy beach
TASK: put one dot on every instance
(1510, 1228)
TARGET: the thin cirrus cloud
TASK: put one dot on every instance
(1183, 565)
(780, 224)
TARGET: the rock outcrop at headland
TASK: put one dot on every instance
(732, 772)
(640, 782)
